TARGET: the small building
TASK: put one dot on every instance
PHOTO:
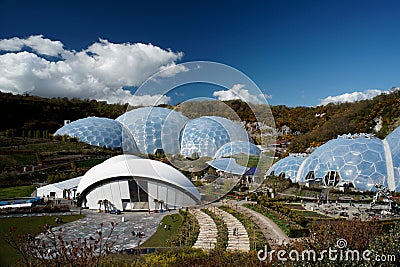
(127, 182)
(65, 189)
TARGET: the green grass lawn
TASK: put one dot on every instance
(17, 191)
(161, 236)
(89, 163)
(32, 225)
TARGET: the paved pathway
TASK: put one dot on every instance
(270, 230)
(133, 221)
(236, 241)
(207, 238)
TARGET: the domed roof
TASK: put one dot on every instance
(359, 159)
(205, 135)
(237, 147)
(393, 141)
(289, 166)
(132, 166)
(155, 128)
(228, 165)
(100, 132)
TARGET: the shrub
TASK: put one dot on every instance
(52, 250)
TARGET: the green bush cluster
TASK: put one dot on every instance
(62, 176)
(288, 226)
(280, 208)
(278, 183)
(36, 209)
(359, 236)
(294, 233)
(89, 163)
(187, 233)
(183, 257)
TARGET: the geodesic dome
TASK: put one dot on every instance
(100, 132)
(237, 147)
(155, 128)
(289, 166)
(205, 135)
(393, 141)
(357, 159)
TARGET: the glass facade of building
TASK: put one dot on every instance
(101, 132)
(288, 165)
(393, 140)
(155, 128)
(358, 160)
(205, 135)
(237, 147)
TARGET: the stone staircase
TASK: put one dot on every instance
(240, 239)
(207, 238)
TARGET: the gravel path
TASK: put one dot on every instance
(127, 222)
(270, 230)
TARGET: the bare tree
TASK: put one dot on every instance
(50, 248)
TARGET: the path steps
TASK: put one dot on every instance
(207, 238)
(240, 241)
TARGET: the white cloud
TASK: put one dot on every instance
(171, 70)
(239, 92)
(98, 72)
(37, 43)
(352, 97)
(12, 44)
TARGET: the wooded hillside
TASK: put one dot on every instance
(310, 126)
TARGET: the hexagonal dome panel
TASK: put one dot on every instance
(155, 128)
(237, 147)
(289, 166)
(205, 135)
(359, 159)
(393, 140)
(100, 132)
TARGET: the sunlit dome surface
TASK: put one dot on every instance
(155, 128)
(205, 135)
(393, 140)
(237, 147)
(359, 160)
(129, 165)
(101, 132)
(289, 166)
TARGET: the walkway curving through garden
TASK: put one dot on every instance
(237, 239)
(271, 231)
(207, 238)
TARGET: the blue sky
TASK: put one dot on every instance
(297, 52)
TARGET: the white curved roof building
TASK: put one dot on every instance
(61, 189)
(128, 182)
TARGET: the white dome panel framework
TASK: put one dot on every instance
(127, 180)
